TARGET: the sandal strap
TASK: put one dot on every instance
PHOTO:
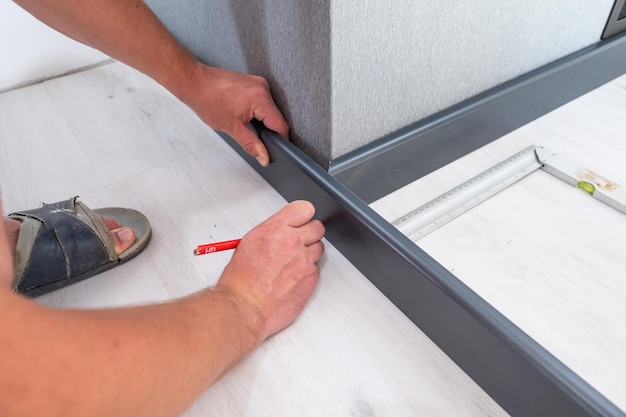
(59, 241)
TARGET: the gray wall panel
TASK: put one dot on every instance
(207, 28)
(398, 61)
(346, 73)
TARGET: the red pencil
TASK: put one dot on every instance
(216, 247)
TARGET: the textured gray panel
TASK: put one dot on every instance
(393, 62)
(286, 42)
(207, 28)
(399, 61)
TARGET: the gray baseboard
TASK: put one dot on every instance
(400, 158)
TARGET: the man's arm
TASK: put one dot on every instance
(155, 360)
(129, 31)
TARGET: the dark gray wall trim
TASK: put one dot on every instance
(410, 153)
(512, 368)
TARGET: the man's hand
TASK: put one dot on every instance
(274, 269)
(228, 100)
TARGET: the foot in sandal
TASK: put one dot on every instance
(66, 242)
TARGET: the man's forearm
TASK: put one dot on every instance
(126, 30)
(153, 360)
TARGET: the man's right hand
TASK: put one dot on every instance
(274, 269)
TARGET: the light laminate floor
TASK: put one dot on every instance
(546, 254)
(115, 138)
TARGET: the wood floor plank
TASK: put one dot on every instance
(35, 150)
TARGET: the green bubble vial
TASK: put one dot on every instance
(586, 186)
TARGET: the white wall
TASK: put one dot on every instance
(31, 51)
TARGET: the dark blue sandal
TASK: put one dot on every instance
(66, 242)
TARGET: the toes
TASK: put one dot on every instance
(123, 237)
(110, 223)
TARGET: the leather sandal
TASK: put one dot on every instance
(66, 242)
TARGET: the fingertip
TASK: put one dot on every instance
(303, 203)
(264, 162)
(283, 127)
(305, 206)
(322, 227)
(284, 132)
(259, 152)
(273, 119)
(297, 213)
(321, 249)
(252, 145)
(278, 124)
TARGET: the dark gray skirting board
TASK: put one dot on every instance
(518, 373)
(400, 158)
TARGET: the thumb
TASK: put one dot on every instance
(251, 144)
(296, 213)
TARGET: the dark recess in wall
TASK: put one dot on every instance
(617, 20)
